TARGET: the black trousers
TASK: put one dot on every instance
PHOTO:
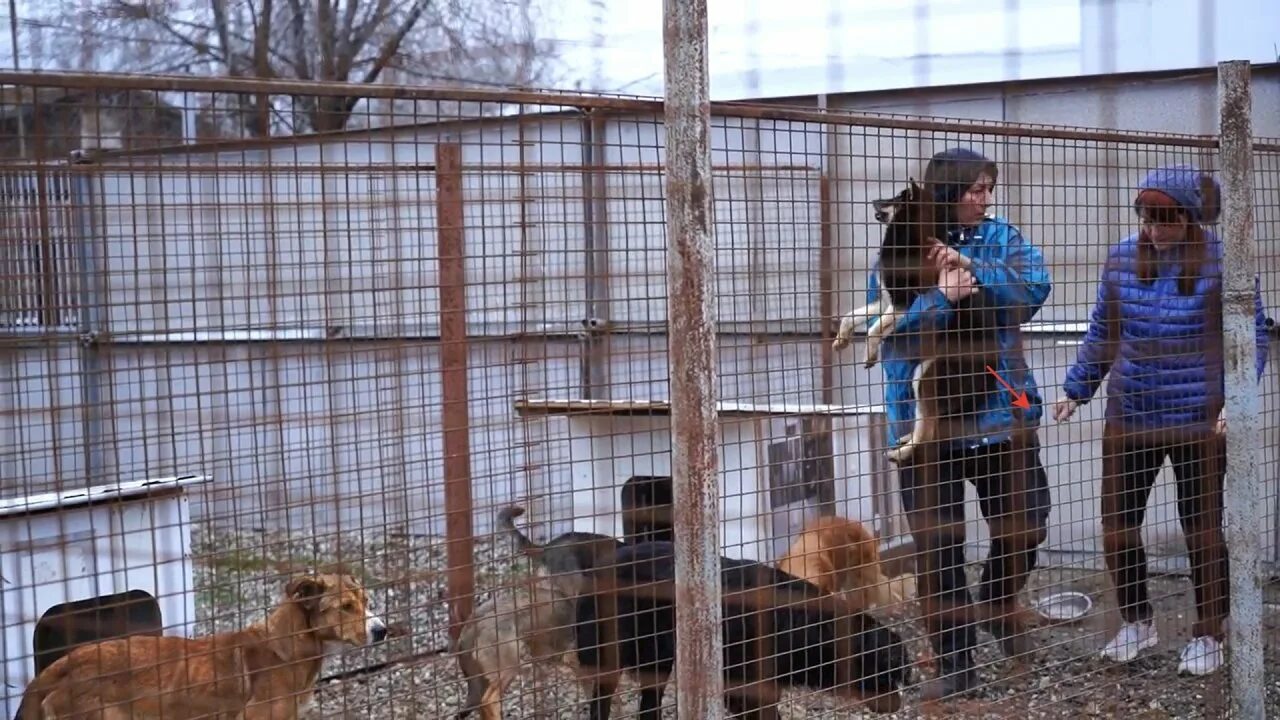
(1013, 495)
(1131, 462)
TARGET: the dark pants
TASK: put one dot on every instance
(1013, 494)
(1130, 465)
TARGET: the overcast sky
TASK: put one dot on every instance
(771, 48)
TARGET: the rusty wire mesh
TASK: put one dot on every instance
(358, 347)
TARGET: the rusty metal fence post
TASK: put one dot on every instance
(692, 341)
(454, 422)
(1244, 520)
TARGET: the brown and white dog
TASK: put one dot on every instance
(840, 555)
(267, 670)
(951, 380)
(537, 613)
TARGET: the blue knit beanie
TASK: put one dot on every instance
(1195, 192)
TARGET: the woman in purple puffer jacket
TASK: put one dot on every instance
(1157, 328)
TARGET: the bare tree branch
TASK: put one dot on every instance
(219, 8)
(262, 66)
(348, 23)
(328, 43)
(392, 44)
(362, 35)
(298, 32)
(456, 41)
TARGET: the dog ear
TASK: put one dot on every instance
(305, 590)
(881, 209)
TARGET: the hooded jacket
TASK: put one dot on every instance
(1162, 348)
(1007, 267)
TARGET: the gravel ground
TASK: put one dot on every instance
(240, 575)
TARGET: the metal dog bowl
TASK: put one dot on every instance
(1064, 606)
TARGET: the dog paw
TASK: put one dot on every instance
(901, 454)
(873, 352)
(844, 335)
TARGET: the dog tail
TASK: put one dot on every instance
(506, 518)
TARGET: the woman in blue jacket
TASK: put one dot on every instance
(1157, 328)
(979, 251)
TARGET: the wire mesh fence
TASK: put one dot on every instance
(298, 383)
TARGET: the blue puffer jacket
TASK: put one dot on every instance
(1161, 376)
(1012, 270)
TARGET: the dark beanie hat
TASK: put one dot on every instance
(950, 174)
(953, 171)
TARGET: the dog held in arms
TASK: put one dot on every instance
(539, 613)
(952, 377)
(814, 639)
(267, 670)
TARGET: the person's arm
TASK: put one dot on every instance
(930, 309)
(1097, 352)
(1260, 325)
(873, 283)
(1019, 283)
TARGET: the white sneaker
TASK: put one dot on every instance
(1201, 656)
(1132, 639)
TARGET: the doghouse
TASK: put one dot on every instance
(779, 463)
(88, 564)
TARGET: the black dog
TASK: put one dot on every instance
(952, 379)
(869, 663)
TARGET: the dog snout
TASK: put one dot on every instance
(376, 628)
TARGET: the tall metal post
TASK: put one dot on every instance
(692, 340)
(1244, 519)
(455, 421)
(90, 296)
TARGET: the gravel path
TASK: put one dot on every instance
(239, 576)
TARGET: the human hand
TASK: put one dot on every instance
(957, 283)
(945, 256)
(1064, 408)
(1220, 427)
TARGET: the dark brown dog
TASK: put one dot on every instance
(952, 379)
(813, 640)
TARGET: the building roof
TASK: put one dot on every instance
(78, 497)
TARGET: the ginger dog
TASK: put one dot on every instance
(267, 670)
(841, 555)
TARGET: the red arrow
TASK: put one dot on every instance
(1019, 398)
